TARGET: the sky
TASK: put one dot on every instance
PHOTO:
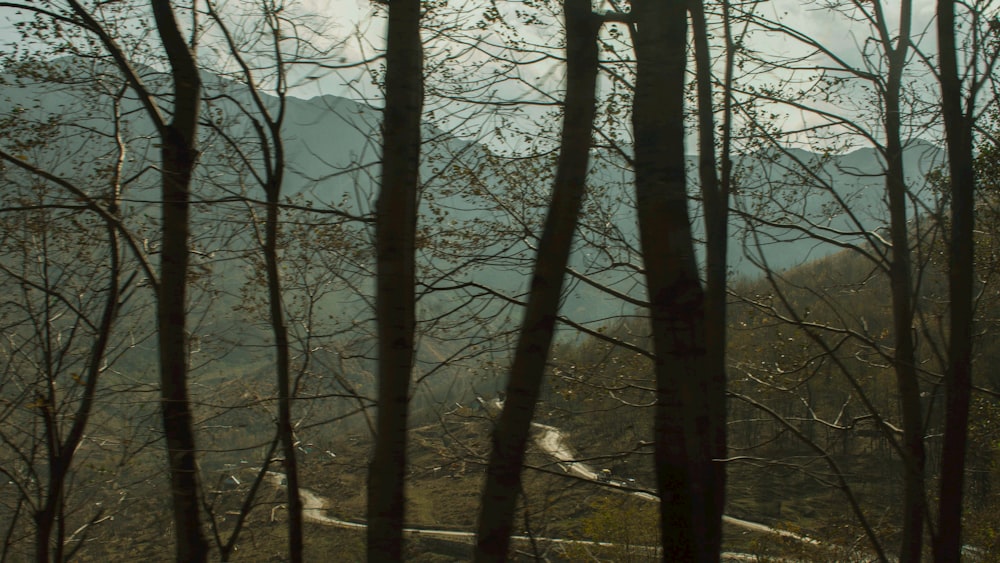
(833, 30)
(349, 19)
(354, 29)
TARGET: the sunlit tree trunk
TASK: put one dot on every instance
(396, 277)
(503, 474)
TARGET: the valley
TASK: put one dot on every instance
(219, 297)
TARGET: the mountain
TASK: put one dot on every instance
(803, 206)
(480, 214)
(480, 219)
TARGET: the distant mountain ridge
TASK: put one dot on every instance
(472, 207)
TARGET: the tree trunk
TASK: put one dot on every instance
(179, 156)
(685, 430)
(272, 158)
(901, 284)
(396, 279)
(503, 474)
(958, 377)
(51, 517)
(283, 366)
(715, 203)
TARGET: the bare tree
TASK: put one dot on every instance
(715, 203)
(901, 280)
(885, 67)
(179, 156)
(686, 425)
(267, 124)
(61, 328)
(503, 482)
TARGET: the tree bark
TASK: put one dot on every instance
(281, 349)
(272, 158)
(179, 156)
(685, 431)
(715, 204)
(901, 285)
(396, 277)
(958, 377)
(503, 474)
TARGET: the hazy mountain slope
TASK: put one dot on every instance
(480, 214)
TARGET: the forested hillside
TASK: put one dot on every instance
(645, 279)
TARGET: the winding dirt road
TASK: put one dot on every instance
(551, 440)
(314, 509)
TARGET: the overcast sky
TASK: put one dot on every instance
(356, 29)
(834, 30)
(352, 26)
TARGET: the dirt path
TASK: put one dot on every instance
(553, 442)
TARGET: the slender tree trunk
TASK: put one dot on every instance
(685, 431)
(281, 349)
(43, 533)
(914, 505)
(51, 516)
(503, 474)
(48, 518)
(272, 158)
(958, 378)
(286, 434)
(715, 202)
(45, 519)
(396, 279)
(179, 156)
(901, 283)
